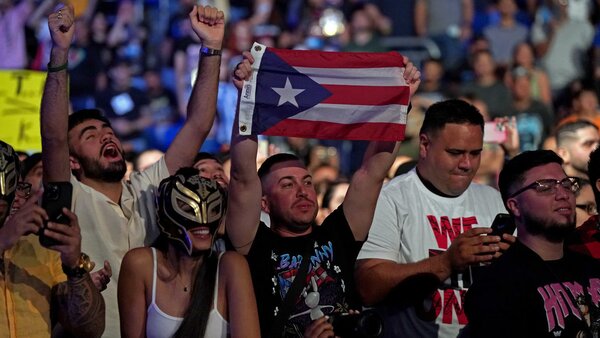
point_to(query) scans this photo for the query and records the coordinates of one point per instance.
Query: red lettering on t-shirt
(453, 304)
(445, 229)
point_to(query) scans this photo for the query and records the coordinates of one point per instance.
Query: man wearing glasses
(585, 203)
(537, 288)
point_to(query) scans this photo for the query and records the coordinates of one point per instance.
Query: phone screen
(494, 132)
(503, 224)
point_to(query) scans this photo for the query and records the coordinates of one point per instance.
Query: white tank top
(162, 325)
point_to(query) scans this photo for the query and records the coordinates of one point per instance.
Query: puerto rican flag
(324, 95)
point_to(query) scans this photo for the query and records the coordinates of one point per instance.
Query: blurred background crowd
(535, 60)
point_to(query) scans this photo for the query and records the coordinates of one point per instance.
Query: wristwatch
(205, 51)
(84, 265)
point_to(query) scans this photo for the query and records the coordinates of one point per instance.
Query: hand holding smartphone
(57, 195)
(502, 224)
(494, 132)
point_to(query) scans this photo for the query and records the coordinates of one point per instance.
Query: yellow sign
(20, 99)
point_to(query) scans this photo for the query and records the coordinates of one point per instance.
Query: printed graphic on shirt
(324, 291)
(446, 304)
(571, 299)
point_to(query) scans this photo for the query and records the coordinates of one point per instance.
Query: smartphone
(494, 132)
(56, 196)
(503, 224)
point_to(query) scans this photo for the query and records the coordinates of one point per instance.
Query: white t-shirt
(411, 224)
(109, 230)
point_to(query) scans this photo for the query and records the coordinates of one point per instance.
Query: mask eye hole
(185, 207)
(215, 211)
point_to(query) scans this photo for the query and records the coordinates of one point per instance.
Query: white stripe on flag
(380, 77)
(248, 95)
(392, 113)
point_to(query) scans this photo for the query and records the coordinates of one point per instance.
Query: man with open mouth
(117, 215)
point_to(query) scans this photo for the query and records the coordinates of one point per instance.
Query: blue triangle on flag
(273, 73)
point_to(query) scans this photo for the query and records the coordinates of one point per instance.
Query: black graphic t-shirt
(329, 286)
(522, 295)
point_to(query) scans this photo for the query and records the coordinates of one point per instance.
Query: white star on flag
(287, 93)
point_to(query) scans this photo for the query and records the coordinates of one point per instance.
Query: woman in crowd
(524, 56)
(180, 287)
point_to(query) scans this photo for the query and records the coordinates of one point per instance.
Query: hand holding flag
(327, 95)
(243, 70)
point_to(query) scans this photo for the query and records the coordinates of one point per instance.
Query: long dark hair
(196, 316)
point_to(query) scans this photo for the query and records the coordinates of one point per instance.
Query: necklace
(185, 286)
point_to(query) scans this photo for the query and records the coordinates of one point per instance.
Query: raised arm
(209, 24)
(55, 100)
(468, 11)
(245, 192)
(361, 198)
(421, 18)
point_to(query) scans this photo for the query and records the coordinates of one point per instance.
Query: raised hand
(511, 145)
(411, 75)
(209, 24)
(61, 25)
(243, 70)
(69, 238)
(27, 220)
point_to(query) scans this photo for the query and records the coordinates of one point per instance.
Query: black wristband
(58, 68)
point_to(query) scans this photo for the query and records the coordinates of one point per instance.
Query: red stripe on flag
(333, 131)
(318, 59)
(367, 95)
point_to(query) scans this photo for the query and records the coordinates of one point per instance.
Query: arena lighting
(332, 22)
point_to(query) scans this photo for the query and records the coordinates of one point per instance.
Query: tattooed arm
(79, 307)
(77, 303)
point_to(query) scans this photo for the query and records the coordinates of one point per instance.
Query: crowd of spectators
(531, 68)
(136, 59)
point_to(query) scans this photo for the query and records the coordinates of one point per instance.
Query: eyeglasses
(549, 186)
(23, 190)
(590, 208)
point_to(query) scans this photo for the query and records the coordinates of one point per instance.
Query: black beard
(114, 172)
(553, 232)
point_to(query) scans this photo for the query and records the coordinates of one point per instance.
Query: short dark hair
(30, 162)
(450, 111)
(594, 172)
(206, 156)
(567, 130)
(514, 170)
(83, 115)
(265, 168)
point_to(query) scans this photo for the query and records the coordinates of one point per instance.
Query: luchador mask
(9, 172)
(187, 201)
